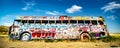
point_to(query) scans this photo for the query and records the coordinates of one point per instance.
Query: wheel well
(87, 33)
(82, 33)
(88, 36)
(102, 33)
(23, 33)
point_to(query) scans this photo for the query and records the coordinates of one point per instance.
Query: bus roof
(59, 18)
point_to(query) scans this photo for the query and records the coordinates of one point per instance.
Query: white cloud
(53, 12)
(28, 5)
(73, 9)
(111, 6)
(112, 17)
(25, 8)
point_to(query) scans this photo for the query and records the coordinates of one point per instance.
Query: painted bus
(58, 27)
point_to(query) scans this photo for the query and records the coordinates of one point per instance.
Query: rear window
(94, 22)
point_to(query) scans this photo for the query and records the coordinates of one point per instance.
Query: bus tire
(25, 36)
(85, 37)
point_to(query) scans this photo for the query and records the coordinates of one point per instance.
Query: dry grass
(115, 40)
(6, 43)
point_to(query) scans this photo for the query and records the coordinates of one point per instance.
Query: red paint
(34, 34)
(38, 34)
(84, 28)
(42, 33)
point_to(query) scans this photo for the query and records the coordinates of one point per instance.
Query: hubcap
(25, 36)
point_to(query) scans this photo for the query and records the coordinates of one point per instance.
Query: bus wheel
(85, 37)
(25, 37)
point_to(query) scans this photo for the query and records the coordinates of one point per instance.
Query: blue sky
(108, 9)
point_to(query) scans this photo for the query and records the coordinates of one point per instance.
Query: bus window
(87, 22)
(65, 21)
(94, 22)
(31, 21)
(80, 22)
(58, 21)
(100, 22)
(73, 21)
(38, 21)
(45, 21)
(16, 23)
(51, 21)
(24, 21)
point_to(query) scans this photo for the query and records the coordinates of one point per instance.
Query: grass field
(113, 41)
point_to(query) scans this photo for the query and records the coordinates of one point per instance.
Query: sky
(108, 9)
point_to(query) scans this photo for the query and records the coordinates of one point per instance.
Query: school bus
(58, 27)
